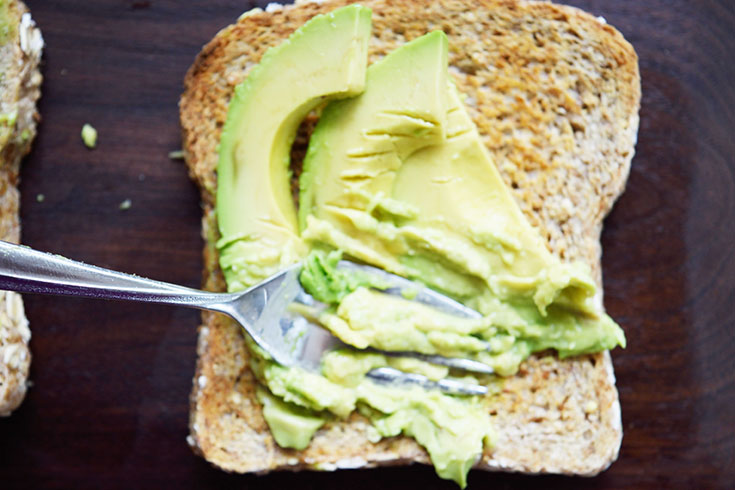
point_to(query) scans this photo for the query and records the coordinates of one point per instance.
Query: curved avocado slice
(325, 58)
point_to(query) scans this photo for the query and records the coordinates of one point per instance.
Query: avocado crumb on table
(89, 135)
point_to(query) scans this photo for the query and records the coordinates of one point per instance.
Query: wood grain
(109, 404)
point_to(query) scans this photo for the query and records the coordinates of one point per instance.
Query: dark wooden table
(109, 402)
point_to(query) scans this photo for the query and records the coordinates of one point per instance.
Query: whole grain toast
(555, 94)
(20, 88)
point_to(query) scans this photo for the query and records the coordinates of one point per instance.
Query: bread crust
(555, 94)
(20, 88)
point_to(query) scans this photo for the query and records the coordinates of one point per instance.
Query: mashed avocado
(363, 316)
(328, 284)
(396, 177)
(453, 430)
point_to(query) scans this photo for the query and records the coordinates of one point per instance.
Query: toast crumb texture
(20, 88)
(555, 95)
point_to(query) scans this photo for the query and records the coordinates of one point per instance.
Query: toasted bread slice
(555, 94)
(20, 88)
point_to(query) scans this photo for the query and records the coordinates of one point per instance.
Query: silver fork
(263, 310)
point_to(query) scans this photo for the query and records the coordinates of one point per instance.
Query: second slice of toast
(20, 87)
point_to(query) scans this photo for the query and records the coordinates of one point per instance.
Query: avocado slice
(359, 143)
(398, 177)
(326, 58)
(422, 200)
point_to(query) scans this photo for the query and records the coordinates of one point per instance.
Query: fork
(262, 310)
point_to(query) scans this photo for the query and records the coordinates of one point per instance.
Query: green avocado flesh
(326, 58)
(395, 176)
(8, 24)
(9, 20)
(328, 284)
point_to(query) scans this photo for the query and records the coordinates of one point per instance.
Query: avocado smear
(9, 19)
(395, 176)
(8, 22)
(328, 284)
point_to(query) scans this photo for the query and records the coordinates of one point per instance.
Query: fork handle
(25, 270)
